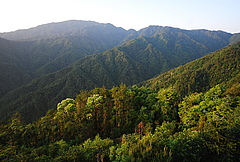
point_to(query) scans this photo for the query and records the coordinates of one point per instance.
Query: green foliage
(130, 124)
(213, 114)
(168, 104)
(68, 105)
(220, 67)
(49, 49)
(97, 147)
(153, 51)
(135, 147)
(179, 119)
(189, 145)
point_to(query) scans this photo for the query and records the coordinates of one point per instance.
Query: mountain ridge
(132, 62)
(35, 58)
(53, 30)
(219, 67)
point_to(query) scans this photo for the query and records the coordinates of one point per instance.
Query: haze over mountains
(43, 65)
(42, 56)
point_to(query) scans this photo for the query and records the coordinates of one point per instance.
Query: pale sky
(129, 14)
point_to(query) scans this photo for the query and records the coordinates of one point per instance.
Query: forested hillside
(211, 39)
(154, 51)
(221, 66)
(139, 123)
(13, 73)
(61, 44)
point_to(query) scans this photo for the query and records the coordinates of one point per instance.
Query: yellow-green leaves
(94, 100)
(68, 105)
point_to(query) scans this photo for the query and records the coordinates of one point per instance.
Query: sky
(128, 14)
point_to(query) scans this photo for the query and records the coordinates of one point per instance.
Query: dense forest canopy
(130, 124)
(137, 123)
(199, 75)
(189, 113)
(52, 65)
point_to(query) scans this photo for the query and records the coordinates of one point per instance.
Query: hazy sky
(186, 14)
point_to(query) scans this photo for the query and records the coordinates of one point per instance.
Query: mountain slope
(13, 73)
(56, 45)
(62, 44)
(235, 38)
(133, 62)
(55, 54)
(220, 67)
(202, 36)
(56, 30)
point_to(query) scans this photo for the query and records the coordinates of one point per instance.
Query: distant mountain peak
(52, 30)
(52, 62)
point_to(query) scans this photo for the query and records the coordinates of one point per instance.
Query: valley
(85, 91)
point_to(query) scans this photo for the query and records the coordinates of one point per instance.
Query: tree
(215, 115)
(97, 146)
(168, 104)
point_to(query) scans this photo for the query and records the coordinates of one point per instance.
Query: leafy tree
(213, 114)
(168, 104)
(135, 147)
(96, 147)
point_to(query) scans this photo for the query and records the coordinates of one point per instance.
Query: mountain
(62, 29)
(202, 36)
(61, 45)
(220, 67)
(56, 45)
(122, 123)
(235, 38)
(158, 50)
(50, 30)
(13, 73)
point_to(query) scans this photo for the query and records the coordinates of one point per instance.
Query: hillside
(137, 123)
(202, 36)
(220, 67)
(235, 38)
(13, 72)
(62, 29)
(133, 62)
(22, 61)
(81, 111)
